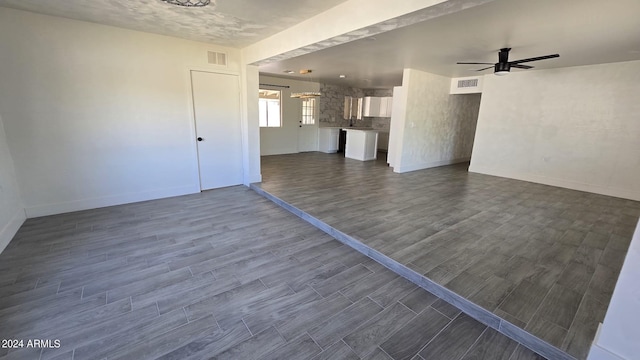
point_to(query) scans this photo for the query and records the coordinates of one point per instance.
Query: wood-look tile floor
(544, 258)
(224, 274)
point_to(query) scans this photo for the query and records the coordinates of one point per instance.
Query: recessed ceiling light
(342, 76)
(288, 71)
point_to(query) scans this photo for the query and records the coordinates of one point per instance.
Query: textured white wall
(97, 115)
(438, 128)
(572, 127)
(11, 211)
(284, 140)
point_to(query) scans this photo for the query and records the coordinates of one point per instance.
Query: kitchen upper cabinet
(374, 106)
(371, 106)
(385, 106)
(352, 108)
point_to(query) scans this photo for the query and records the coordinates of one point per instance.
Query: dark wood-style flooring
(543, 258)
(224, 274)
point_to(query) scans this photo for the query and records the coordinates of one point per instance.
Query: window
(269, 108)
(308, 111)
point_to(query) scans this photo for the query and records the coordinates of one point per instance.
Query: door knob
(200, 139)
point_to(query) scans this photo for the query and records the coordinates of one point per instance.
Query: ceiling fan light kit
(503, 66)
(501, 69)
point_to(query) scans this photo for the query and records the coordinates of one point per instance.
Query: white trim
(414, 167)
(9, 231)
(598, 352)
(213, 69)
(94, 203)
(569, 184)
(195, 164)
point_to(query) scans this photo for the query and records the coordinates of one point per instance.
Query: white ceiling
(582, 31)
(234, 23)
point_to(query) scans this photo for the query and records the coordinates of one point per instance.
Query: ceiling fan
(503, 66)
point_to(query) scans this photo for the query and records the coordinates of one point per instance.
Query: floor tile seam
(310, 337)
(184, 311)
(440, 312)
(375, 302)
(320, 295)
(553, 349)
(383, 351)
(515, 317)
(439, 332)
(390, 335)
(401, 303)
(247, 326)
(575, 316)
(340, 236)
(348, 346)
(505, 299)
(476, 341)
(545, 298)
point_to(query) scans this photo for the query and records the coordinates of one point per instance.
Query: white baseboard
(9, 231)
(256, 179)
(414, 167)
(569, 184)
(94, 203)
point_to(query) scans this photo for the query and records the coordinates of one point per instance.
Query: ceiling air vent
(467, 83)
(217, 58)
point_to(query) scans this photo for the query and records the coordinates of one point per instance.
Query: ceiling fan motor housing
(502, 67)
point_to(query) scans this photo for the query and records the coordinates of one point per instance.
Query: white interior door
(216, 106)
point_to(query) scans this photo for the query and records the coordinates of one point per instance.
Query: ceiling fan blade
(473, 63)
(521, 66)
(534, 59)
(490, 67)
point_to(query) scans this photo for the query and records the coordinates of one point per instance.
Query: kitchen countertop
(359, 128)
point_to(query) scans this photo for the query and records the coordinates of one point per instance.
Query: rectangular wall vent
(217, 58)
(467, 83)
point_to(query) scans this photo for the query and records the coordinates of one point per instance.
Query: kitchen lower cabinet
(328, 139)
(361, 144)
